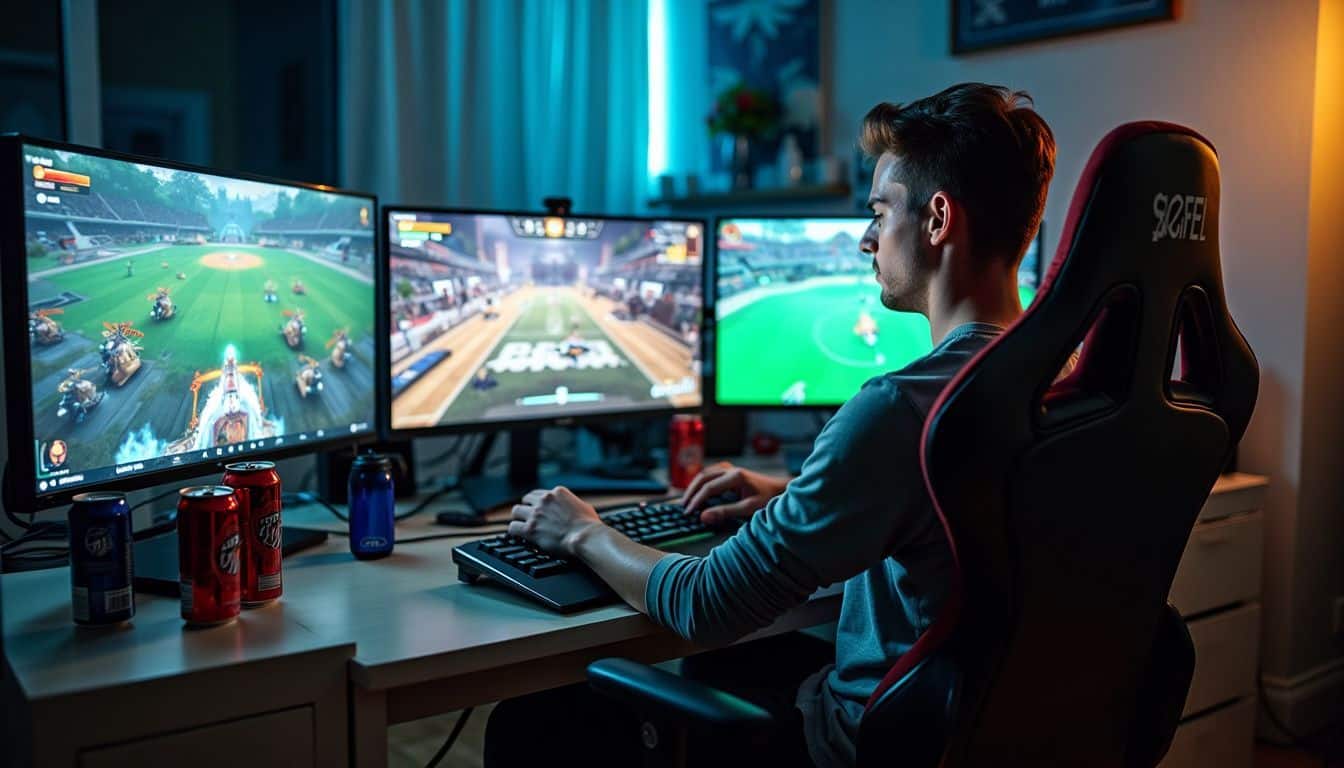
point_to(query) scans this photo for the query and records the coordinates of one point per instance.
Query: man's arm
(559, 521)
(847, 511)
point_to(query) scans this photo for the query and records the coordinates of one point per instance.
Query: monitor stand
(156, 568)
(485, 492)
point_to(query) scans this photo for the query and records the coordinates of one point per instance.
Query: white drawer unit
(278, 740)
(1221, 564)
(1227, 645)
(1234, 494)
(1224, 738)
(1217, 588)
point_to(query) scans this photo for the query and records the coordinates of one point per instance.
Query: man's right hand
(752, 488)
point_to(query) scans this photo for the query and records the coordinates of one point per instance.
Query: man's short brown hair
(982, 144)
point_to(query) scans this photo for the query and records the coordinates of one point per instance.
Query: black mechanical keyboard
(564, 584)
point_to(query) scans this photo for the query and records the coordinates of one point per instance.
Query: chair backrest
(1069, 502)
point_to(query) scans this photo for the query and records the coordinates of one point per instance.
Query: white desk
(153, 693)
(427, 644)
(411, 640)
(408, 637)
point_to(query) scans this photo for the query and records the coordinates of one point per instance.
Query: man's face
(900, 260)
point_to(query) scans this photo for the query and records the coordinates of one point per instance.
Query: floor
(411, 745)
(1325, 750)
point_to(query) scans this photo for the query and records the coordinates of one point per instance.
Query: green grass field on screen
(216, 307)
(797, 342)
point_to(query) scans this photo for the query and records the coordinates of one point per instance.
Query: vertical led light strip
(657, 154)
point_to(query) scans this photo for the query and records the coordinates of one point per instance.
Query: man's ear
(941, 218)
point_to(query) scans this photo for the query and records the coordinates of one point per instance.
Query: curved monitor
(798, 321)
(513, 318)
(178, 318)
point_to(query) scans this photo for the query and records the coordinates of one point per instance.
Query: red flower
(745, 101)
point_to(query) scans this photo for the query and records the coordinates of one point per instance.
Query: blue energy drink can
(372, 507)
(101, 569)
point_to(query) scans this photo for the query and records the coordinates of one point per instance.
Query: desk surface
(411, 619)
(51, 656)
(408, 617)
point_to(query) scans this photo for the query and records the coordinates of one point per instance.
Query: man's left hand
(552, 519)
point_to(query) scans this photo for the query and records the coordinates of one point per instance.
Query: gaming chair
(1067, 501)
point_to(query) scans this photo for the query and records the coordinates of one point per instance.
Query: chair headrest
(1138, 263)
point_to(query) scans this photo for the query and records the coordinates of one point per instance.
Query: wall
(1319, 538)
(152, 44)
(1242, 73)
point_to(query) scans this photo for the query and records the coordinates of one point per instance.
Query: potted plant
(743, 114)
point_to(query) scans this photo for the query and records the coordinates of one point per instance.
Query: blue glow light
(657, 156)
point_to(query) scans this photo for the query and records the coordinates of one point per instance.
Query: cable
(61, 551)
(146, 502)
(18, 564)
(452, 738)
(7, 501)
(449, 452)
(22, 525)
(39, 531)
(425, 502)
(308, 497)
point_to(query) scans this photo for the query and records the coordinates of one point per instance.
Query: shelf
(755, 196)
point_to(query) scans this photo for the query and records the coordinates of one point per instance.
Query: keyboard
(565, 584)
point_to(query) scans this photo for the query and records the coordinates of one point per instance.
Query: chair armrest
(664, 696)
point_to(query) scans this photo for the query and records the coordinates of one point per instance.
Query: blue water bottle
(372, 506)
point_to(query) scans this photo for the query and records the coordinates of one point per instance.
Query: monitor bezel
(20, 494)
(568, 420)
(710, 378)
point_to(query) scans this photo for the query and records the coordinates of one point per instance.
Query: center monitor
(528, 318)
(799, 321)
(177, 317)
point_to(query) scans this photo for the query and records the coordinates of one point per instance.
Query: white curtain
(495, 103)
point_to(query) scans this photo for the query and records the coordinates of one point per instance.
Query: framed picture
(981, 24)
(775, 46)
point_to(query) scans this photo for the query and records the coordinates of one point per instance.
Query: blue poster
(772, 45)
(978, 24)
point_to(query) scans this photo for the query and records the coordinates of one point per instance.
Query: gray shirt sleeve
(838, 518)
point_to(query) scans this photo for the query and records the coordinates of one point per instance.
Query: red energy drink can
(208, 554)
(258, 487)
(686, 452)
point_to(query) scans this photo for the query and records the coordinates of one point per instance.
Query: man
(957, 195)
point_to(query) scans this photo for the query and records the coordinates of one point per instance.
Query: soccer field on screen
(797, 345)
